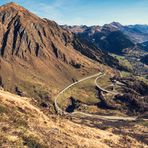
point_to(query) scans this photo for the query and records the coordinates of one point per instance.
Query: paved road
(60, 111)
(104, 90)
(113, 118)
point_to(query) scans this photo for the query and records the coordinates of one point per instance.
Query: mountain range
(112, 37)
(37, 52)
(130, 41)
(98, 74)
(37, 56)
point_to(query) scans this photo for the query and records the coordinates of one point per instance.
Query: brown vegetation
(25, 125)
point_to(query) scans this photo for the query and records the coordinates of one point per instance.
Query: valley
(126, 43)
(71, 86)
(96, 95)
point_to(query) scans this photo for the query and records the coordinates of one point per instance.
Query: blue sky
(88, 12)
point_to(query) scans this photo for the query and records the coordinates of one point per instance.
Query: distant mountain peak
(117, 24)
(114, 26)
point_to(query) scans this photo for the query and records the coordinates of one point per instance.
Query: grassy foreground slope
(24, 125)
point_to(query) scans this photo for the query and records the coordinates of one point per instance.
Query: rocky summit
(38, 53)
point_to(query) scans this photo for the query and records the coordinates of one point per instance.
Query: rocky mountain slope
(38, 57)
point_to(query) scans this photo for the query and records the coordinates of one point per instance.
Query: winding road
(98, 75)
(59, 110)
(104, 90)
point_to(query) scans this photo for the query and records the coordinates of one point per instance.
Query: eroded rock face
(35, 50)
(23, 34)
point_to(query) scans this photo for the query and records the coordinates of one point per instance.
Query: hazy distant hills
(137, 33)
(112, 37)
(143, 45)
(131, 42)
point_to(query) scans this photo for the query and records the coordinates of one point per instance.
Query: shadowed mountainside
(38, 57)
(108, 37)
(112, 37)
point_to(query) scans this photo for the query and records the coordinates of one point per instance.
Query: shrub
(31, 142)
(2, 109)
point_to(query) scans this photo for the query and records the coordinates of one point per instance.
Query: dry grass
(24, 125)
(104, 81)
(123, 61)
(84, 91)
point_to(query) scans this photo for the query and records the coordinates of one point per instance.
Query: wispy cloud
(51, 10)
(87, 11)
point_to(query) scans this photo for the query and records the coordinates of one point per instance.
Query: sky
(88, 12)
